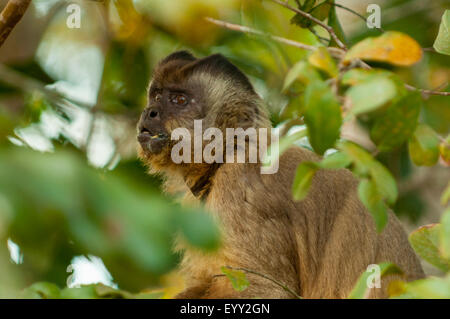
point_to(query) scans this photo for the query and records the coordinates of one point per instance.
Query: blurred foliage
(81, 90)
(55, 207)
(45, 290)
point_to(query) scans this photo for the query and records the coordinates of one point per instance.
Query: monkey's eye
(158, 97)
(178, 99)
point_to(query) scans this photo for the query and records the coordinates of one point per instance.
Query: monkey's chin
(152, 145)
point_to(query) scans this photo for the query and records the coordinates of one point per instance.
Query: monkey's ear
(217, 64)
(178, 55)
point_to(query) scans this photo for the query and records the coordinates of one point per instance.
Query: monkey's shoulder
(245, 182)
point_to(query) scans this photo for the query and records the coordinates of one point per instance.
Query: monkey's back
(318, 246)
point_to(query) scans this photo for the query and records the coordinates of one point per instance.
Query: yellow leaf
(396, 288)
(444, 150)
(392, 47)
(133, 27)
(322, 60)
(171, 285)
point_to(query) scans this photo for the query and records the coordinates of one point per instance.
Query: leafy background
(76, 207)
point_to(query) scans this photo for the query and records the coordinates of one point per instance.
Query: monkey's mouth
(152, 142)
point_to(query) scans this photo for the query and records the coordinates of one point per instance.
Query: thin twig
(336, 52)
(409, 87)
(241, 28)
(324, 40)
(10, 16)
(286, 288)
(427, 92)
(354, 12)
(315, 20)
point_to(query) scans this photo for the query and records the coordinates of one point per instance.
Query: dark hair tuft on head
(218, 64)
(178, 55)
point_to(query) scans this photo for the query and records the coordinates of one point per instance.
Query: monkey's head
(184, 89)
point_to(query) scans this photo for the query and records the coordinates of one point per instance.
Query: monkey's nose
(151, 112)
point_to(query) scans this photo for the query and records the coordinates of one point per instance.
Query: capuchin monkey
(318, 247)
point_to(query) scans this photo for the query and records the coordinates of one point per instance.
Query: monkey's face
(173, 101)
(184, 89)
(166, 105)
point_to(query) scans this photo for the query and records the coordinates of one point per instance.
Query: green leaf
(366, 166)
(370, 95)
(336, 160)
(83, 292)
(306, 171)
(301, 71)
(322, 60)
(283, 145)
(360, 158)
(104, 291)
(293, 109)
(200, 229)
(444, 234)
(425, 242)
(41, 290)
(307, 5)
(429, 288)
(384, 181)
(300, 20)
(302, 180)
(424, 146)
(358, 76)
(150, 295)
(333, 22)
(361, 289)
(323, 116)
(377, 188)
(398, 123)
(372, 199)
(442, 42)
(237, 278)
(322, 10)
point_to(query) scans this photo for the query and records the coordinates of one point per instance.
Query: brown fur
(318, 247)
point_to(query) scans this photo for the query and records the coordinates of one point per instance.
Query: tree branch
(426, 92)
(336, 52)
(286, 288)
(10, 16)
(315, 20)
